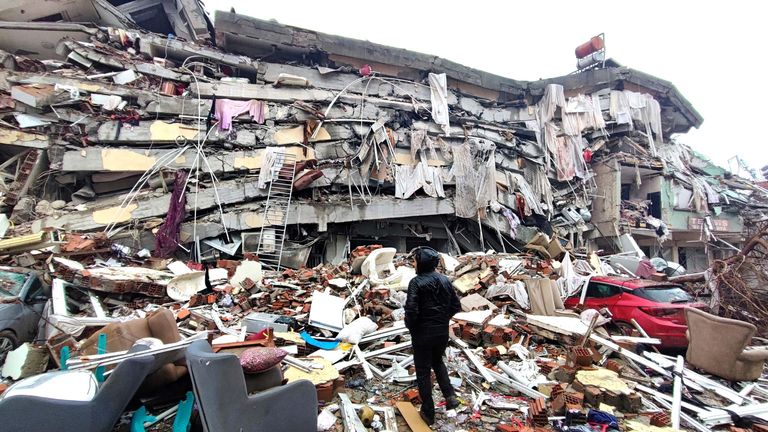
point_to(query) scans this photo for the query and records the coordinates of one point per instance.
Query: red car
(659, 307)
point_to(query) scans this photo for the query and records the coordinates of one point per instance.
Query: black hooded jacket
(432, 300)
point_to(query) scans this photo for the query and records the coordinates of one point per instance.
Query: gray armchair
(35, 413)
(718, 346)
(220, 391)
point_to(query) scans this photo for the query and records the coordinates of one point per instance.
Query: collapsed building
(386, 145)
(145, 152)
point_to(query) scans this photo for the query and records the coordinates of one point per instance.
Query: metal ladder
(278, 204)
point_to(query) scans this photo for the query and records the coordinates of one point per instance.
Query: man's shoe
(428, 419)
(451, 402)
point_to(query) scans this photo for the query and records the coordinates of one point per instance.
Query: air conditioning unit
(251, 241)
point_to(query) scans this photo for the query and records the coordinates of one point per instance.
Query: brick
(565, 374)
(612, 398)
(580, 356)
(471, 335)
(660, 419)
(247, 283)
(196, 300)
(183, 314)
(510, 334)
(593, 396)
(614, 366)
(574, 399)
(557, 399)
(547, 367)
(631, 403)
(537, 411)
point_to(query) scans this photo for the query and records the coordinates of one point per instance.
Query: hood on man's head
(427, 259)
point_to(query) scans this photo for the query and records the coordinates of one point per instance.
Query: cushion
(259, 359)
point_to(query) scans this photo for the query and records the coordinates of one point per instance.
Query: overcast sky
(714, 52)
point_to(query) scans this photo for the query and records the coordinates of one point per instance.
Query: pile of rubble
(257, 186)
(518, 359)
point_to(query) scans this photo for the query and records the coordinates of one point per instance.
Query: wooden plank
(412, 417)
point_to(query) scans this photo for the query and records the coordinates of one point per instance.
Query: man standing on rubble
(431, 303)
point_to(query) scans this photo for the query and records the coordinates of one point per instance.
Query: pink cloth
(227, 109)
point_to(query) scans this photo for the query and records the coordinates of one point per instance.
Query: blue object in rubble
(63, 357)
(101, 348)
(319, 344)
(184, 414)
(140, 417)
(602, 417)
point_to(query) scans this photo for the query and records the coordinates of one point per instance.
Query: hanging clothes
(438, 86)
(580, 113)
(646, 110)
(554, 97)
(580, 165)
(474, 167)
(270, 165)
(418, 138)
(551, 138)
(462, 170)
(539, 185)
(519, 184)
(445, 149)
(167, 238)
(619, 109)
(227, 109)
(513, 221)
(564, 162)
(409, 179)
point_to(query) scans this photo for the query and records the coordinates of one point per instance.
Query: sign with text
(695, 223)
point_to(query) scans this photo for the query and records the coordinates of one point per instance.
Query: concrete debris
(259, 186)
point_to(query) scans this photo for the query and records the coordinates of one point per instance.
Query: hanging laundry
(409, 179)
(577, 147)
(418, 138)
(582, 112)
(620, 110)
(438, 86)
(539, 185)
(553, 98)
(566, 168)
(646, 110)
(270, 165)
(227, 109)
(513, 221)
(551, 138)
(466, 195)
(445, 149)
(167, 238)
(519, 184)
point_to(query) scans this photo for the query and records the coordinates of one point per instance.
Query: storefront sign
(719, 225)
